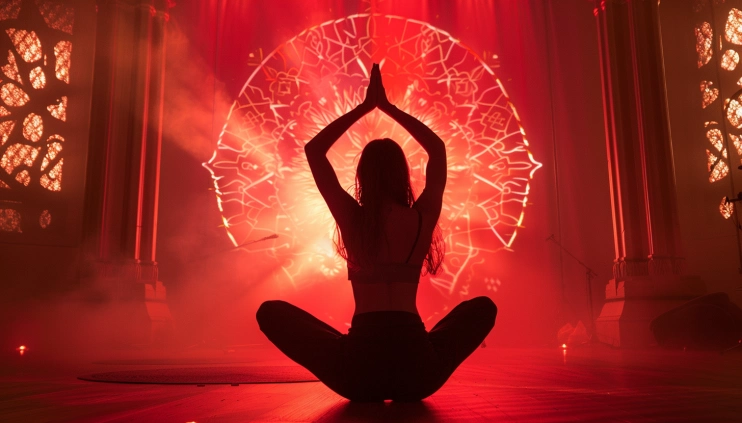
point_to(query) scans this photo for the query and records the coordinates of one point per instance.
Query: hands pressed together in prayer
(375, 93)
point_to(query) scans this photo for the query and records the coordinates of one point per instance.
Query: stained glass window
(704, 38)
(34, 97)
(726, 208)
(30, 56)
(729, 60)
(734, 113)
(717, 140)
(10, 220)
(708, 94)
(733, 28)
(59, 110)
(27, 44)
(716, 167)
(10, 9)
(45, 219)
(11, 68)
(57, 16)
(63, 54)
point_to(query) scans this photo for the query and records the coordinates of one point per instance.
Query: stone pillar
(648, 273)
(124, 167)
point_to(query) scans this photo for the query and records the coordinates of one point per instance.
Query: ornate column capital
(624, 268)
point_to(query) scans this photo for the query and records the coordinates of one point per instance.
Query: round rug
(173, 361)
(230, 375)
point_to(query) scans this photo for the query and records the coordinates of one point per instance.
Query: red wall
(549, 67)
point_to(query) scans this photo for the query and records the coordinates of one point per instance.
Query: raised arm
(341, 204)
(431, 198)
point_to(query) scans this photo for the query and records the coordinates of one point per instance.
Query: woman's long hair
(382, 174)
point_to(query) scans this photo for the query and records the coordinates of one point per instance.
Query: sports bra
(395, 272)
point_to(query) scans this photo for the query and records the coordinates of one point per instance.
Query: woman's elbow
(313, 148)
(309, 149)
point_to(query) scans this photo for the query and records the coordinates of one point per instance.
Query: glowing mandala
(262, 179)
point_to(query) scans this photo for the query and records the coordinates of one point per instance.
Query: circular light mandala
(262, 178)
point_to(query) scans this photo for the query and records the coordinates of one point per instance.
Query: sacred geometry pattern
(35, 57)
(260, 173)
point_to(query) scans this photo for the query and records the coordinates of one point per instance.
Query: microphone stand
(265, 238)
(589, 275)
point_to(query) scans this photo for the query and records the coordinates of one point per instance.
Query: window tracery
(34, 86)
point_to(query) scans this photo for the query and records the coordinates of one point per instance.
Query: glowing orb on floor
(262, 180)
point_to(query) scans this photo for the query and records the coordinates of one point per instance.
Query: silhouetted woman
(387, 237)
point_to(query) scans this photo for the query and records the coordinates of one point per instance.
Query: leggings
(386, 355)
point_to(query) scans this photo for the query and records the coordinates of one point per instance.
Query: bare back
(399, 242)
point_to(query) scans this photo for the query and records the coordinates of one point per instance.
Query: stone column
(648, 273)
(124, 166)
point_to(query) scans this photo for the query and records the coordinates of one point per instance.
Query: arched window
(37, 134)
(718, 34)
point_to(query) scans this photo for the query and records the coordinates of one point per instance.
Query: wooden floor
(533, 385)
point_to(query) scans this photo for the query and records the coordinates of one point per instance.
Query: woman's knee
(486, 307)
(269, 311)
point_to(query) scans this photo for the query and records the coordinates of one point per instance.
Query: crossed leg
(305, 339)
(462, 330)
(319, 347)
